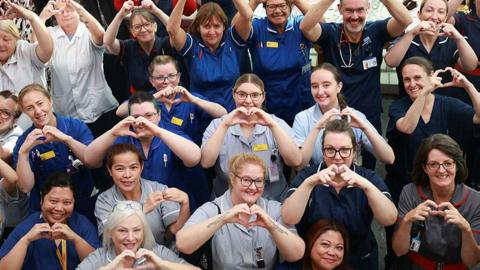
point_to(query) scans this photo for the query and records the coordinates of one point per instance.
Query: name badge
(47, 155)
(177, 121)
(260, 147)
(272, 44)
(369, 63)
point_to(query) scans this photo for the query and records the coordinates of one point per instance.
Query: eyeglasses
(5, 114)
(254, 96)
(350, 11)
(447, 165)
(344, 152)
(170, 77)
(272, 8)
(246, 181)
(148, 115)
(138, 27)
(124, 205)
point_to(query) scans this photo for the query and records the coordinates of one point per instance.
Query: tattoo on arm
(217, 221)
(278, 228)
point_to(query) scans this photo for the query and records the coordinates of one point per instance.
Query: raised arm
(397, 52)
(94, 27)
(178, 36)
(459, 80)
(243, 18)
(467, 58)
(150, 6)
(452, 8)
(176, 195)
(26, 179)
(213, 109)
(400, 17)
(109, 39)
(310, 26)
(302, 5)
(10, 178)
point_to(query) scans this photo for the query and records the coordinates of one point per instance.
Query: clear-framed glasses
(447, 165)
(170, 77)
(148, 115)
(247, 181)
(272, 8)
(124, 205)
(344, 152)
(138, 27)
(5, 114)
(256, 96)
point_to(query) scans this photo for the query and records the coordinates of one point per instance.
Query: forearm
(288, 149)
(467, 56)
(290, 245)
(294, 206)
(303, 6)
(183, 148)
(383, 208)
(82, 247)
(380, 148)
(96, 150)
(452, 7)
(398, 12)
(395, 54)
(211, 149)
(409, 122)
(14, 259)
(26, 179)
(470, 250)
(183, 216)
(10, 176)
(109, 38)
(475, 98)
(94, 27)
(213, 109)
(44, 48)
(308, 146)
(174, 23)
(160, 15)
(191, 238)
(77, 148)
(401, 238)
(122, 110)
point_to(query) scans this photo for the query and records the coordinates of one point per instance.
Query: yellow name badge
(272, 44)
(47, 155)
(177, 121)
(260, 147)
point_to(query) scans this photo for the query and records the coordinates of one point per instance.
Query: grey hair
(118, 215)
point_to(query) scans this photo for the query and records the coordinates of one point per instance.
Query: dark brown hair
(141, 97)
(425, 64)
(425, 1)
(122, 148)
(143, 13)
(57, 179)
(315, 231)
(338, 78)
(204, 14)
(340, 126)
(446, 145)
(7, 94)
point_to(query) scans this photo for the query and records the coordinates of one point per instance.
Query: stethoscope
(342, 40)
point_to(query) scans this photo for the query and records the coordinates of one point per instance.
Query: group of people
(208, 166)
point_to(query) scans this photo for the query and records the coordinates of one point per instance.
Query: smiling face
(57, 205)
(8, 43)
(338, 141)
(7, 114)
(278, 12)
(441, 178)
(325, 89)
(250, 90)
(160, 76)
(149, 112)
(68, 17)
(128, 234)
(125, 171)
(415, 78)
(327, 251)
(434, 11)
(142, 29)
(247, 194)
(38, 108)
(354, 14)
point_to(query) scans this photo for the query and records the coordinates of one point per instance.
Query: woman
(166, 209)
(436, 40)
(79, 88)
(423, 113)
(280, 53)
(249, 129)
(246, 230)
(19, 56)
(326, 248)
(53, 143)
(13, 204)
(56, 237)
(138, 52)
(309, 124)
(128, 243)
(211, 49)
(438, 214)
(337, 189)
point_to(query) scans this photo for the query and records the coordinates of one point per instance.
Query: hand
(354, 120)
(153, 200)
(148, 5)
(351, 178)
(145, 125)
(422, 211)
(38, 231)
(325, 177)
(453, 216)
(448, 30)
(185, 95)
(12, 11)
(239, 213)
(152, 260)
(175, 195)
(326, 117)
(62, 231)
(53, 134)
(259, 116)
(425, 27)
(260, 218)
(49, 10)
(33, 139)
(237, 116)
(166, 95)
(432, 84)
(127, 7)
(458, 79)
(123, 261)
(122, 128)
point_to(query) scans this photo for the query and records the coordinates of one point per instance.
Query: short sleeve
(5, 197)
(81, 132)
(301, 176)
(233, 34)
(29, 51)
(13, 238)
(103, 208)
(300, 128)
(212, 127)
(204, 212)
(406, 202)
(365, 141)
(379, 183)
(167, 255)
(285, 127)
(170, 212)
(397, 110)
(187, 47)
(92, 262)
(88, 232)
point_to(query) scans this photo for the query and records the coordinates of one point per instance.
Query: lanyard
(62, 256)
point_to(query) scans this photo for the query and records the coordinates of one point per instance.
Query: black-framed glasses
(124, 205)
(247, 181)
(447, 165)
(255, 96)
(272, 8)
(148, 115)
(170, 77)
(344, 152)
(138, 27)
(5, 114)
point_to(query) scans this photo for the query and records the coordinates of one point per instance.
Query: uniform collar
(323, 165)
(288, 26)
(156, 44)
(460, 195)
(59, 32)
(440, 41)
(13, 58)
(237, 131)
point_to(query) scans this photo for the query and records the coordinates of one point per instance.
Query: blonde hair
(249, 78)
(238, 161)
(34, 87)
(8, 26)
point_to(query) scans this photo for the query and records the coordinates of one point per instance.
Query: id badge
(415, 244)
(273, 172)
(369, 63)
